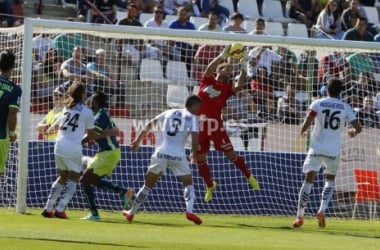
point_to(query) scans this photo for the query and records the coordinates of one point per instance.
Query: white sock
(140, 198)
(303, 198)
(327, 193)
(56, 190)
(189, 196)
(71, 187)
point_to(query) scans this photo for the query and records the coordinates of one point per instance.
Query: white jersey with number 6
(330, 121)
(176, 125)
(72, 127)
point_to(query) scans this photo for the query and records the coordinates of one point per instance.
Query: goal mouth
(158, 74)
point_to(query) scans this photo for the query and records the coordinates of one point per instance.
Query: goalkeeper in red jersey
(215, 88)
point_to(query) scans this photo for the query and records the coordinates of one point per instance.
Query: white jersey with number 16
(332, 115)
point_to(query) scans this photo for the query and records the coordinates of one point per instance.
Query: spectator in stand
(203, 57)
(367, 115)
(360, 62)
(108, 8)
(302, 10)
(259, 27)
(171, 7)
(365, 86)
(47, 77)
(65, 43)
(289, 109)
(263, 93)
(18, 12)
(73, 69)
(359, 32)
(187, 50)
(351, 15)
(42, 43)
(333, 64)
(134, 50)
(329, 22)
(262, 57)
(212, 24)
(7, 18)
(241, 109)
(100, 76)
(168, 52)
(48, 126)
(308, 71)
(235, 25)
(213, 5)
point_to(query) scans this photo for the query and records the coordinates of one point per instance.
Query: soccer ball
(236, 51)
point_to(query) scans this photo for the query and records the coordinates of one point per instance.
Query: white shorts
(69, 163)
(159, 162)
(314, 162)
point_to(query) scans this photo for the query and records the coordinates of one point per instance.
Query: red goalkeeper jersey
(214, 95)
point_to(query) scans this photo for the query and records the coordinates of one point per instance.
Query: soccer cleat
(91, 217)
(298, 222)
(209, 191)
(127, 198)
(61, 215)
(128, 215)
(192, 217)
(254, 183)
(321, 219)
(47, 214)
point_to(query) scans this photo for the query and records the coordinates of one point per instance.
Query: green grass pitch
(172, 231)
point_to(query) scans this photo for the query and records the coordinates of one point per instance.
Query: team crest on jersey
(212, 92)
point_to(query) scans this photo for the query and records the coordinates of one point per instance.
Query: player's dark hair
(334, 87)
(100, 98)
(192, 100)
(7, 60)
(75, 92)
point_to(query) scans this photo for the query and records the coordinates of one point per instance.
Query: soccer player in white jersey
(176, 125)
(77, 119)
(329, 116)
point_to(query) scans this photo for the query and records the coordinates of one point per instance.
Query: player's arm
(148, 127)
(308, 121)
(210, 69)
(12, 122)
(240, 83)
(356, 128)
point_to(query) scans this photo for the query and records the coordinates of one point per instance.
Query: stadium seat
(372, 14)
(177, 73)
(297, 30)
(367, 190)
(272, 10)
(198, 21)
(176, 95)
(237, 143)
(39, 108)
(254, 144)
(151, 70)
(170, 18)
(249, 9)
(274, 28)
(120, 14)
(145, 17)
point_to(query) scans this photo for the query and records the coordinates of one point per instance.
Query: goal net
(146, 71)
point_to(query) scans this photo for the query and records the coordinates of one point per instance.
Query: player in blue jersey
(105, 161)
(10, 97)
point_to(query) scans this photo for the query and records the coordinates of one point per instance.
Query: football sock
(140, 198)
(71, 187)
(240, 164)
(303, 198)
(327, 193)
(89, 192)
(56, 190)
(109, 185)
(189, 196)
(204, 171)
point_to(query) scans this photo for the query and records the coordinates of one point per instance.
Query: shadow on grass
(73, 242)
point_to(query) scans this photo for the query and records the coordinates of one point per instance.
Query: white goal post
(275, 152)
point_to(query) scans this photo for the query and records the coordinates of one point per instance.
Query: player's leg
(74, 168)
(56, 188)
(87, 180)
(182, 170)
(155, 170)
(4, 148)
(332, 165)
(310, 168)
